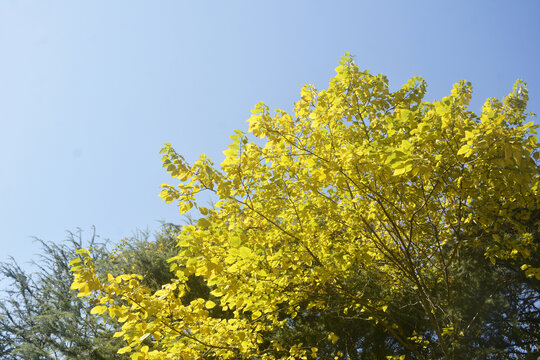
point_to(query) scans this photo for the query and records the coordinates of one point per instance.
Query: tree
(369, 224)
(41, 318)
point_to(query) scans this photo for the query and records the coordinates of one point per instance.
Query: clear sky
(90, 90)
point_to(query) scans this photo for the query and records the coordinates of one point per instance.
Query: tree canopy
(365, 224)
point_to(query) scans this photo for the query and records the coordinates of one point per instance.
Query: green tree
(368, 224)
(42, 318)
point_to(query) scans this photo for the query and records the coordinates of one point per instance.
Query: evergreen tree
(42, 318)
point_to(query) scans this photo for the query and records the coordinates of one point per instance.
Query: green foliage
(42, 318)
(149, 258)
(368, 224)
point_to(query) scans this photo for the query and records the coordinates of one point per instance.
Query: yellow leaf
(82, 252)
(77, 284)
(100, 309)
(464, 149)
(245, 252)
(84, 291)
(183, 207)
(124, 350)
(204, 222)
(210, 304)
(75, 261)
(137, 356)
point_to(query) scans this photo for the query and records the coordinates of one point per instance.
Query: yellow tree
(362, 202)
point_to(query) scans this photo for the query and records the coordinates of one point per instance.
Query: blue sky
(90, 90)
